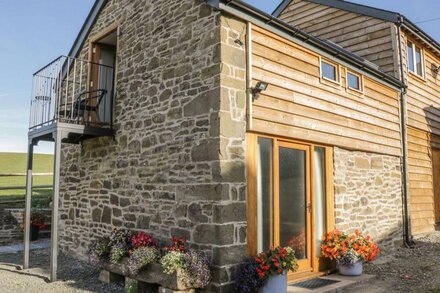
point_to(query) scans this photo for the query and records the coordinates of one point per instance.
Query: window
(328, 71)
(415, 60)
(353, 81)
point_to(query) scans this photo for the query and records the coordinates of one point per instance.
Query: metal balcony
(74, 95)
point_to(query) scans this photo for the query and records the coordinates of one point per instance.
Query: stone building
(222, 125)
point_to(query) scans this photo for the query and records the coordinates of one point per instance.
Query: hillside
(16, 163)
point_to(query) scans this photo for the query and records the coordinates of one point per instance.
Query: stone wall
(176, 164)
(368, 194)
(10, 230)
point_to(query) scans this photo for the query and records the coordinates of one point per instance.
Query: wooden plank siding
(299, 105)
(420, 145)
(365, 36)
(423, 108)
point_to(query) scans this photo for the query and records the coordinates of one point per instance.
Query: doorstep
(343, 281)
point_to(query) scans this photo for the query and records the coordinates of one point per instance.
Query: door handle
(309, 207)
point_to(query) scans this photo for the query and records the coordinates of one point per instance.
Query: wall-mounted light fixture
(435, 69)
(259, 87)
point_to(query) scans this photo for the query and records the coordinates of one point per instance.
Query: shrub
(196, 267)
(141, 257)
(349, 248)
(247, 280)
(275, 261)
(99, 251)
(143, 239)
(120, 243)
(172, 261)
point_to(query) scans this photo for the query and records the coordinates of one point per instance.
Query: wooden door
(436, 182)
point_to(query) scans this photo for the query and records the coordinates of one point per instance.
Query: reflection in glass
(292, 197)
(264, 194)
(320, 196)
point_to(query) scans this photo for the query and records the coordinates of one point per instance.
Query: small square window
(353, 81)
(328, 71)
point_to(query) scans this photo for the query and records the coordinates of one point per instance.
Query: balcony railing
(74, 91)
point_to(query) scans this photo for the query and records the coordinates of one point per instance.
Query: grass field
(16, 163)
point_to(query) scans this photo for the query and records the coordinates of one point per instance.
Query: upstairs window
(415, 59)
(354, 81)
(328, 71)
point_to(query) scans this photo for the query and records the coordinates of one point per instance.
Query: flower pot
(275, 283)
(35, 232)
(351, 270)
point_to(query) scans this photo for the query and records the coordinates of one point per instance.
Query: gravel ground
(73, 275)
(405, 269)
(401, 270)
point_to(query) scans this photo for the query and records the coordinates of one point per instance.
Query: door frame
(318, 264)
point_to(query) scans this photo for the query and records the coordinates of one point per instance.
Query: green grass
(16, 163)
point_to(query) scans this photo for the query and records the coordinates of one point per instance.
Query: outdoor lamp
(259, 87)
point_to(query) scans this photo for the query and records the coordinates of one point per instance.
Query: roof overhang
(386, 15)
(326, 48)
(87, 27)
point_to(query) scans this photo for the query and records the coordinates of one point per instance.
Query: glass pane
(353, 81)
(264, 194)
(419, 61)
(411, 57)
(320, 197)
(293, 206)
(328, 71)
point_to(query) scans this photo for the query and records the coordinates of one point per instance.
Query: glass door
(283, 198)
(292, 198)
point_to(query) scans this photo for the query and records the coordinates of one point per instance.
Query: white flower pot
(351, 270)
(275, 283)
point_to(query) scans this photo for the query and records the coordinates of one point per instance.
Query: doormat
(314, 283)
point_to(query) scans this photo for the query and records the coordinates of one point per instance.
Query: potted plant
(247, 279)
(350, 251)
(191, 265)
(273, 267)
(38, 222)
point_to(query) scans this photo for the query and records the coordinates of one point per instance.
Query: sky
(35, 32)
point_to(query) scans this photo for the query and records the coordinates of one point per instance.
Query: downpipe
(408, 241)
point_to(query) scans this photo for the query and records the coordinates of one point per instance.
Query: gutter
(407, 238)
(249, 13)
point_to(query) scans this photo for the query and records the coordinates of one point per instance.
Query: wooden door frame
(95, 57)
(318, 264)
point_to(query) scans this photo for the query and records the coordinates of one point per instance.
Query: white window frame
(361, 82)
(337, 72)
(414, 58)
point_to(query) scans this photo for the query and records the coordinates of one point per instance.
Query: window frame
(414, 59)
(337, 72)
(360, 78)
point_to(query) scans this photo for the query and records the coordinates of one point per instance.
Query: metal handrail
(58, 85)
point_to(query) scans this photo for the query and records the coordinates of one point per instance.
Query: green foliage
(172, 261)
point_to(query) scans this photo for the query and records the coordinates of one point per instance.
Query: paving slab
(15, 248)
(344, 281)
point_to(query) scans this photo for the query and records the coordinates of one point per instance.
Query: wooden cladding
(365, 36)
(298, 104)
(420, 149)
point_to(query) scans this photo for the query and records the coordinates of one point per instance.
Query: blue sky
(34, 32)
